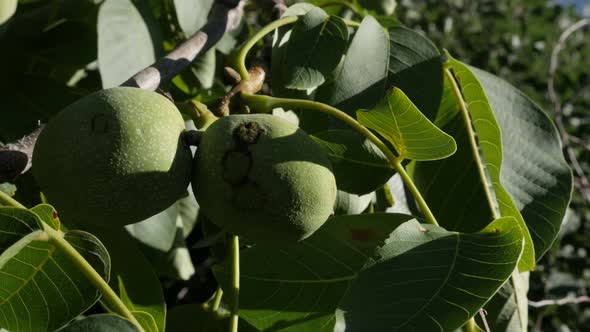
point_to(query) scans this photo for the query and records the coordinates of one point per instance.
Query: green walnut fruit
(263, 178)
(114, 157)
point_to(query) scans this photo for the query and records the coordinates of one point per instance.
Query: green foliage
(422, 191)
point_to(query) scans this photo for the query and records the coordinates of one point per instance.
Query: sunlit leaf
(479, 195)
(534, 170)
(42, 288)
(414, 137)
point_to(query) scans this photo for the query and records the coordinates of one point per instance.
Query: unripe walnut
(114, 157)
(263, 178)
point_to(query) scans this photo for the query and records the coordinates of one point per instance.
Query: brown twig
(15, 159)
(583, 185)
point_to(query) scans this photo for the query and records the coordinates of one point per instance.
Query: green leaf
(134, 279)
(415, 66)
(48, 215)
(352, 154)
(347, 203)
(192, 14)
(362, 80)
(42, 288)
(429, 279)
(100, 323)
(203, 69)
(124, 42)
(414, 137)
(534, 170)
(316, 44)
(279, 51)
(199, 320)
(507, 311)
(158, 231)
(473, 202)
(300, 285)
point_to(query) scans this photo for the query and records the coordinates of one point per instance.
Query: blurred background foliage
(49, 52)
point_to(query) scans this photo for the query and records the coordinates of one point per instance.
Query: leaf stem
(472, 142)
(235, 252)
(57, 239)
(111, 299)
(265, 104)
(416, 193)
(9, 201)
(240, 61)
(470, 326)
(241, 58)
(217, 300)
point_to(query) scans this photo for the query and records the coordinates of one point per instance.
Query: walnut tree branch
(15, 159)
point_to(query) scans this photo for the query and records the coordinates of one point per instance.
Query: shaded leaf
(414, 137)
(101, 323)
(134, 279)
(316, 43)
(192, 14)
(199, 320)
(352, 155)
(124, 42)
(299, 286)
(507, 311)
(429, 279)
(415, 66)
(362, 81)
(347, 203)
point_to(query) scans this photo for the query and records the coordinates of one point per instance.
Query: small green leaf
(48, 215)
(414, 137)
(199, 320)
(8, 188)
(353, 154)
(429, 279)
(100, 323)
(42, 288)
(124, 42)
(316, 44)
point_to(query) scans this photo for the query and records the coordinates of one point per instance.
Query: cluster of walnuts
(118, 156)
